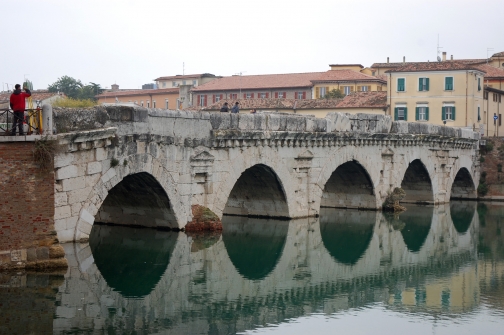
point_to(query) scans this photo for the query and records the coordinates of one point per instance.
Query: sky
(133, 42)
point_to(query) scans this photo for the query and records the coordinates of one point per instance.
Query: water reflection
(131, 260)
(261, 272)
(415, 225)
(462, 213)
(346, 234)
(254, 245)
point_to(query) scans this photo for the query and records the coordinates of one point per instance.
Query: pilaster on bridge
(147, 167)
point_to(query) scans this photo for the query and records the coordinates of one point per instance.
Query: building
(356, 102)
(38, 96)
(493, 108)
(279, 86)
(437, 92)
(346, 78)
(167, 98)
(187, 79)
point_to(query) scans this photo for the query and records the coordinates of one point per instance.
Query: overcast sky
(133, 42)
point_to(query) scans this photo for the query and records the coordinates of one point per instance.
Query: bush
(73, 103)
(482, 159)
(489, 146)
(483, 175)
(482, 189)
(114, 162)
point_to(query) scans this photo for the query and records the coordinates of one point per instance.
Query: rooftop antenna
(240, 74)
(488, 49)
(438, 49)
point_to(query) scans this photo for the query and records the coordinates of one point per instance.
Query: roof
(185, 76)
(434, 66)
(256, 82)
(498, 54)
(36, 95)
(246, 104)
(174, 90)
(373, 99)
(344, 75)
(495, 90)
(359, 65)
(370, 99)
(378, 65)
(492, 72)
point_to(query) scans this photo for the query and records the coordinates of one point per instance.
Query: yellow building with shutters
(346, 78)
(448, 93)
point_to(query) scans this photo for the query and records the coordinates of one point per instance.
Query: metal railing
(32, 118)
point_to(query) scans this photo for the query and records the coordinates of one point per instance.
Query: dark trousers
(18, 120)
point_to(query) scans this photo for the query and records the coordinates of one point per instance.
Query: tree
(67, 85)
(334, 94)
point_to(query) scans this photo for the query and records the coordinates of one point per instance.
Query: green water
(429, 270)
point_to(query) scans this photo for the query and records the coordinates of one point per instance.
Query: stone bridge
(299, 267)
(147, 167)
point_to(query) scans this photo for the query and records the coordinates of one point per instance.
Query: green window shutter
(396, 114)
(449, 83)
(446, 84)
(405, 114)
(479, 116)
(479, 84)
(400, 84)
(427, 111)
(453, 113)
(443, 114)
(417, 113)
(427, 84)
(420, 82)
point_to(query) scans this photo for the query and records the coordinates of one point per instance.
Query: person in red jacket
(17, 104)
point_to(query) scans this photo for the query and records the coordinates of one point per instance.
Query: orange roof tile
(433, 66)
(246, 104)
(36, 95)
(370, 99)
(492, 72)
(174, 90)
(264, 81)
(498, 54)
(186, 76)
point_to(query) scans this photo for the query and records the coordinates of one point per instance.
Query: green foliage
(73, 103)
(334, 94)
(114, 162)
(499, 167)
(489, 146)
(73, 88)
(481, 159)
(482, 212)
(125, 162)
(483, 175)
(482, 189)
(43, 153)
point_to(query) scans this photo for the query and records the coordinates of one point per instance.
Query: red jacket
(17, 100)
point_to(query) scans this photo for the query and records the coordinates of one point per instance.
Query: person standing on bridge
(18, 105)
(236, 108)
(225, 108)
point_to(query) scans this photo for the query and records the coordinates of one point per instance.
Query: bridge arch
(143, 170)
(258, 185)
(348, 181)
(417, 183)
(462, 182)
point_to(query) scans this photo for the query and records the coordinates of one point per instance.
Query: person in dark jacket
(236, 108)
(17, 104)
(225, 108)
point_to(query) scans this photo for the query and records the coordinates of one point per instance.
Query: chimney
(444, 56)
(115, 87)
(451, 57)
(387, 60)
(404, 59)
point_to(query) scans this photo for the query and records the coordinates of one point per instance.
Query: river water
(429, 270)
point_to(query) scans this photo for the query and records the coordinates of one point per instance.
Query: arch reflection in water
(346, 234)
(254, 245)
(414, 225)
(462, 214)
(131, 260)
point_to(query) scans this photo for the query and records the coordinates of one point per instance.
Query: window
(379, 88)
(194, 82)
(479, 115)
(401, 113)
(217, 97)
(422, 113)
(347, 90)
(373, 73)
(148, 104)
(233, 96)
(479, 84)
(448, 84)
(300, 95)
(365, 88)
(154, 104)
(401, 84)
(448, 113)
(262, 95)
(164, 83)
(322, 91)
(183, 82)
(280, 95)
(249, 96)
(494, 97)
(141, 103)
(423, 84)
(485, 95)
(174, 84)
(166, 103)
(202, 100)
(500, 119)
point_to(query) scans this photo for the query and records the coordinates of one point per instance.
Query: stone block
(91, 180)
(73, 183)
(31, 254)
(100, 154)
(63, 159)
(42, 253)
(108, 175)
(60, 199)
(84, 227)
(399, 127)
(66, 172)
(246, 122)
(295, 123)
(62, 212)
(316, 125)
(340, 121)
(65, 235)
(78, 195)
(86, 216)
(60, 224)
(220, 120)
(94, 167)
